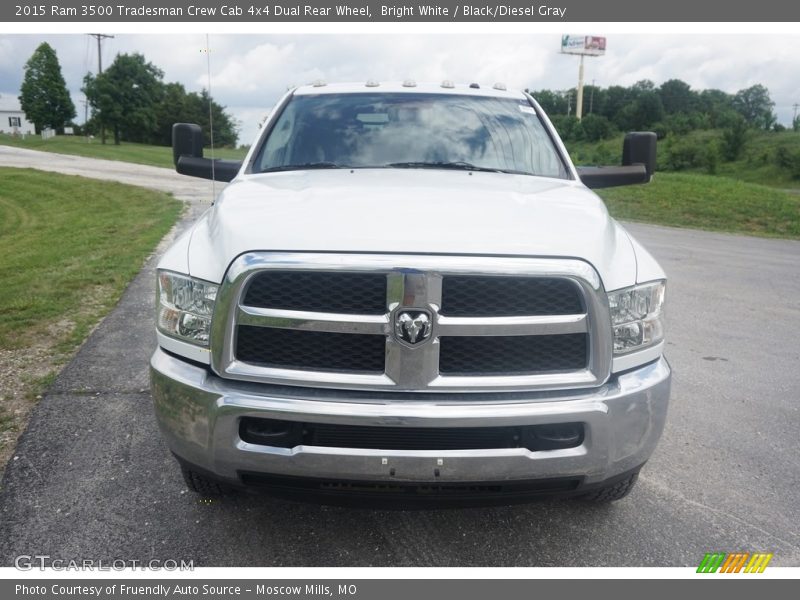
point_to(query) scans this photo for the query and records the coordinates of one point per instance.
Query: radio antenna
(211, 122)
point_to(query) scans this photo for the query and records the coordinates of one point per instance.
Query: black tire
(613, 492)
(207, 488)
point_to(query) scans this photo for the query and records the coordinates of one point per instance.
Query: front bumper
(199, 415)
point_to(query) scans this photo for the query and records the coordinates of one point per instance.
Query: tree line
(129, 99)
(670, 108)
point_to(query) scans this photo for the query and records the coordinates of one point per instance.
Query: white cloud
(7, 56)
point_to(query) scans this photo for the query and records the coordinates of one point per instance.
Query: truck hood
(410, 211)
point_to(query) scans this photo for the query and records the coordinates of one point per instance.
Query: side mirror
(638, 164)
(187, 140)
(639, 148)
(187, 154)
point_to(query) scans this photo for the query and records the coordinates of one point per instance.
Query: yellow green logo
(736, 562)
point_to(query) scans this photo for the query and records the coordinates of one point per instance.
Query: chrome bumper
(199, 414)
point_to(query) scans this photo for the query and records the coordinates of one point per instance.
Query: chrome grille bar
(539, 325)
(313, 321)
(380, 325)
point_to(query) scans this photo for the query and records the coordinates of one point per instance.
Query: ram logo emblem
(412, 326)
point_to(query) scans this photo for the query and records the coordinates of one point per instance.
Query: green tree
(645, 111)
(677, 97)
(616, 97)
(593, 100)
(125, 97)
(44, 96)
(596, 127)
(714, 104)
(171, 109)
(567, 126)
(553, 103)
(755, 105)
(198, 107)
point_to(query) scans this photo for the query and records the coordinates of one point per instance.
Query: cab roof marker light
(500, 86)
(409, 83)
(448, 85)
(372, 83)
(319, 83)
(474, 86)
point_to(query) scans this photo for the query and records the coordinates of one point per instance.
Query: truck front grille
(482, 324)
(346, 293)
(471, 296)
(512, 355)
(315, 350)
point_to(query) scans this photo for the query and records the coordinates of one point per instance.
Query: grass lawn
(708, 202)
(68, 248)
(157, 156)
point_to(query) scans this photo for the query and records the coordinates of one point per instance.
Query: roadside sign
(588, 45)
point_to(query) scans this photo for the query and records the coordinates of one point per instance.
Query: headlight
(637, 316)
(185, 306)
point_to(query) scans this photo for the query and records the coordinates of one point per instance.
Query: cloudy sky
(249, 72)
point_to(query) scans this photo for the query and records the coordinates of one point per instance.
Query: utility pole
(795, 106)
(99, 37)
(591, 98)
(579, 99)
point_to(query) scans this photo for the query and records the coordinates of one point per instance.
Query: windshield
(410, 130)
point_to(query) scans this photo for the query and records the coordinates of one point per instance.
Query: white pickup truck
(409, 293)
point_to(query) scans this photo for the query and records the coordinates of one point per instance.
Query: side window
(14, 122)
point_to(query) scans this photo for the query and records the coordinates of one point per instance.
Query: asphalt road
(91, 477)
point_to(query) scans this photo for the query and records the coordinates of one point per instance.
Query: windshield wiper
(310, 165)
(460, 164)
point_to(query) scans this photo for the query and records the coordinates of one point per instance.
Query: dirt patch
(28, 371)
(25, 373)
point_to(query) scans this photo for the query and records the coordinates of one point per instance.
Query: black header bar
(332, 11)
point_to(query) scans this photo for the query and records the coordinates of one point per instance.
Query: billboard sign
(589, 45)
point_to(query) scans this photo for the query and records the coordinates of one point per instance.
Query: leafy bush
(678, 123)
(712, 157)
(734, 137)
(660, 129)
(595, 128)
(681, 154)
(565, 125)
(789, 159)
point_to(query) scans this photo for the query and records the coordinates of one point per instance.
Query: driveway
(91, 477)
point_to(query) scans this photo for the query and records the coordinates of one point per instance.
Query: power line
(211, 121)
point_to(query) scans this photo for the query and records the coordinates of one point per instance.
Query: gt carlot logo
(737, 562)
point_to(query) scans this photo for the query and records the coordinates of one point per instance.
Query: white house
(12, 119)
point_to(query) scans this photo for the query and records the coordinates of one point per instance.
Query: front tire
(202, 485)
(612, 493)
